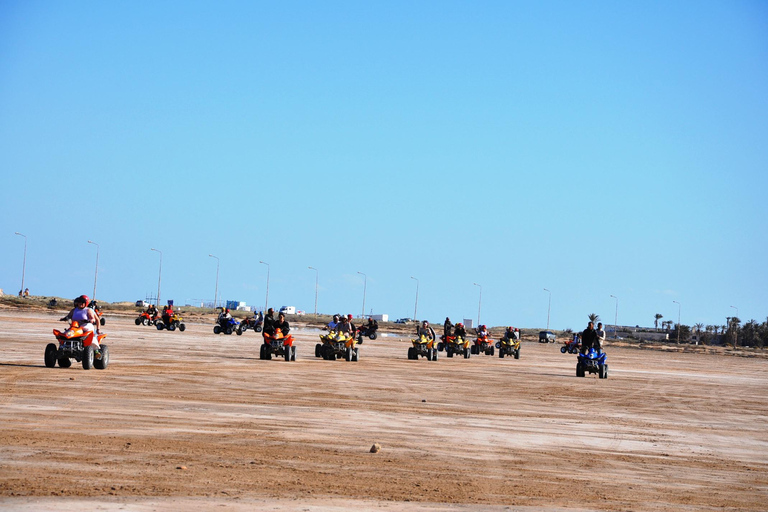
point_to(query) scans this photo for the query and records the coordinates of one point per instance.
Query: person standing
(447, 327)
(589, 338)
(600, 337)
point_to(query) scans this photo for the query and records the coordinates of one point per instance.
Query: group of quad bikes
(427, 347)
(590, 361)
(340, 345)
(170, 322)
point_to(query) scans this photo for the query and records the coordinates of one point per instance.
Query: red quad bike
(278, 345)
(483, 345)
(77, 344)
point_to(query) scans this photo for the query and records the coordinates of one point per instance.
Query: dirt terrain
(193, 420)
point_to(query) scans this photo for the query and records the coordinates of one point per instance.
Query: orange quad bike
(145, 319)
(76, 343)
(483, 345)
(279, 345)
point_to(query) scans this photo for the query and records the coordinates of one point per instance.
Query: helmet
(349, 317)
(460, 325)
(517, 330)
(81, 299)
(226, 310)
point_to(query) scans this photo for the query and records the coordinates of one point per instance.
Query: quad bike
(508, 347)
(279, 345)
(571, 347)
(370, 332)
(226, 326)
(483, 345)
(592, 362)
(172, 323)
(454, 345)
(145, 319)
(76, 343)
(95, 307)
(336, 345)
(423, 347)
(249, 323)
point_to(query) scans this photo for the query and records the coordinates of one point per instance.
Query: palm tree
(594, 318)
(656, 319)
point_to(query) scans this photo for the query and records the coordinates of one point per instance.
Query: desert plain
(196, 421)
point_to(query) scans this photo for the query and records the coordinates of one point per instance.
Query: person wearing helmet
(352, 325)
(167, 314)
(426, 331)
(509, 333)
(223, 320)
(87, 319)
(459, 331)
(344, 326)
(482, 331)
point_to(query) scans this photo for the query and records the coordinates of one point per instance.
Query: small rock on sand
(376, 448)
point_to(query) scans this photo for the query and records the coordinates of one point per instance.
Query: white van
(288, 310)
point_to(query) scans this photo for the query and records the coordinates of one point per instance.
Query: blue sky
(591, 148)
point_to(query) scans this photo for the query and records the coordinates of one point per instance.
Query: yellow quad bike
(423, 347)
(175, 322)
(336, 345)
(454, 345)
(508, 347)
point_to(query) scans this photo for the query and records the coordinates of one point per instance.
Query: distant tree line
(751, 334)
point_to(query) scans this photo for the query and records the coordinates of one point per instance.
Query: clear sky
(591, 148)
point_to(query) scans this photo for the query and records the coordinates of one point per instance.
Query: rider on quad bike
(368, 330)
(87, 318)
(167, 314)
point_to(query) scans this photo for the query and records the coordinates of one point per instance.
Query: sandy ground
(193, 420)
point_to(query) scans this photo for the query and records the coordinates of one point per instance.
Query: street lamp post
(616, 319)
(96, 273)
(678, 320)
(24, 261)
(266, 301)
(160, 275)
(549, 306)
(416, 306)
(479, 303)
(365, 287)
(216, 292)
(317, 274)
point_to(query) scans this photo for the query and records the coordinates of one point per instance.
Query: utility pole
(216, 292)
(415, 306)
(160, 275)
(365, 286)
(479, 303)
(96, 273)
(24, 261)
(678, 321)
(549, 306)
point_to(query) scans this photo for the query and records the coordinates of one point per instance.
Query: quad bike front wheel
(88, 357)
(159, 326)
(563, 349)
(102, 321)
(139, 321)
(216, 329)
(50, 355)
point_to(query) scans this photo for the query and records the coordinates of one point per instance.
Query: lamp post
(479, 303)
(24, 261)
(549, 306)
(678, 320)
(735, 336)
(96, 273)
(365, 287)
(416, 306)
(616, 319)
(266, 301)
(317, 274)
(216, 292)
(160, 275)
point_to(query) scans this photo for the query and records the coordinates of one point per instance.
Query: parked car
(547, 337)
(403, 320)
(141, 303)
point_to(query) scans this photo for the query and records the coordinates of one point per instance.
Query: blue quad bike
(592, 362)
(226, 326)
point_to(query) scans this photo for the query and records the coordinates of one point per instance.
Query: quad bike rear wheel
(373, 335)
(172, 326)
(182, 327)
(467, 353)
(603, 372)
(293, 353)
(579, 370)
(64, 362)
(159, 326)
(356, 354)
(257, 328)
(412, 353)
(348, 354)
(102, 321)
(101, 364)
(517, 354)
(318, 348)
(501, 353)
(50, 355)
